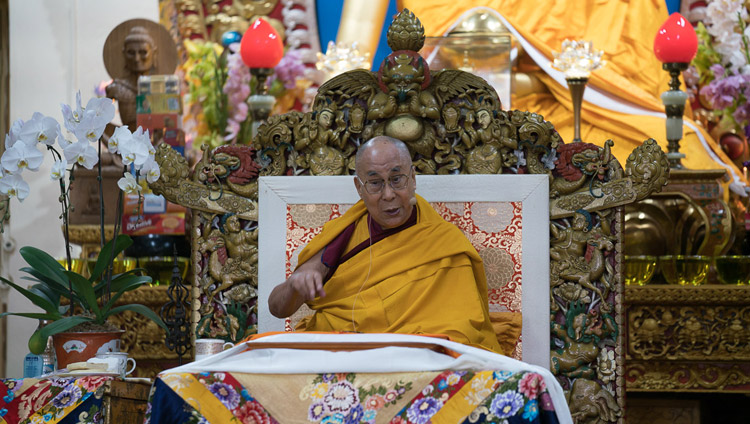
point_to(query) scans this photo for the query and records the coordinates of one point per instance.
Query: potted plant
(88, 302)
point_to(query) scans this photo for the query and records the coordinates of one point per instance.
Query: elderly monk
(390, 263)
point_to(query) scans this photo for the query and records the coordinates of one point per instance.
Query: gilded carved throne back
(453, 123)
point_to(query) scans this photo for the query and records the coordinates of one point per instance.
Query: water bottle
(33, 366)
(49, 359)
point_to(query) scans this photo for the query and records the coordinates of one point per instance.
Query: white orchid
(151, 169)
(14, 186)
(90, 128)
(128, 184)
(81, 153)
(121, 135)
(58, 169)
(72, 117)
(87, 124)
(136, 149)
(20, 156)
(12, 136)
(102, 109)
(40, 129)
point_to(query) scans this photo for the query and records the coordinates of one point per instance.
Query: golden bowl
(638, 270)
(685, 270)
(118, 266)
(76, 264)
(160, 268)
(733, 269)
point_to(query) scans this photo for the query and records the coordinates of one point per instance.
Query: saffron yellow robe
(425, 279)
(625, 31)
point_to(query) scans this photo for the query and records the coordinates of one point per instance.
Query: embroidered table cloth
(419, 397)
(356, 378)
(65, 400)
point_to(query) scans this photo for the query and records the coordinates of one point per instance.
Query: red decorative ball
(676, 40)
(261, 46)
(733, 145)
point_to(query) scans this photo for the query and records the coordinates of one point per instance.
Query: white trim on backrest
(275, 193)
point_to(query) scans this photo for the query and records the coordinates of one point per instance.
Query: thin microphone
(413, 200)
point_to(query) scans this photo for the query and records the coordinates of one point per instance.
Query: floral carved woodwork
(688, 338)
(452, 121)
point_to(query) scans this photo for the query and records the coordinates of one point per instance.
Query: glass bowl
(733, 270)
(685, 270)
(638, 270)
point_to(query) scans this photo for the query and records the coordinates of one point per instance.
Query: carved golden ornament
(191, 25)
(84, 234)
(406, 32)
(647, 173)
(689, 332)
(217, 196)
(592, 403)
(674, 295)
(669, 376)
(648, 167)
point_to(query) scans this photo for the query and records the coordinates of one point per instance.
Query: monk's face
(385, 162)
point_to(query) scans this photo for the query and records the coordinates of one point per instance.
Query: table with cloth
(356, 378)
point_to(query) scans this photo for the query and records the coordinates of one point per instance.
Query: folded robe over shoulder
(425, 279)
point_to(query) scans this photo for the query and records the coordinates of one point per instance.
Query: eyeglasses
(397, 182)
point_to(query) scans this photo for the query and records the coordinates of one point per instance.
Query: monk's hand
(308, 283)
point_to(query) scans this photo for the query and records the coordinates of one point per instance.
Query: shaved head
(379, 141)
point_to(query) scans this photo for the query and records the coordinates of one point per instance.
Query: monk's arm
(305, 283)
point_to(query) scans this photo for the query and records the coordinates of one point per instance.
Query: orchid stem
(110, 266)
(101, 194)
(66, 232)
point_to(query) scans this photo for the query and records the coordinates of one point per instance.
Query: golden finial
(406, 32)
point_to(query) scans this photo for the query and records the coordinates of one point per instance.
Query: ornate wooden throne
(453, 123)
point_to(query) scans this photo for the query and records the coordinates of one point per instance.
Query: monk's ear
(358, 186)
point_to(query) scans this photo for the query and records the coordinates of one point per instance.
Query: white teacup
(207, 347)
(117, 362)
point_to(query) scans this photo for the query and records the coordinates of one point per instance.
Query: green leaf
(122, 242)
(47, 293)
(63, 325)
(82, 287)
(38, 277)
(121, 289)
(33, 315)
(36, 299)
(120, 281)
(56, 290)
(140, 309)
(43, 263)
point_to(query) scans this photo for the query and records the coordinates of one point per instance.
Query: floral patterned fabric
(345, 398)
(66, 400)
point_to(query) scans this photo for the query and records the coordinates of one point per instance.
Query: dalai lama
(390, 264)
